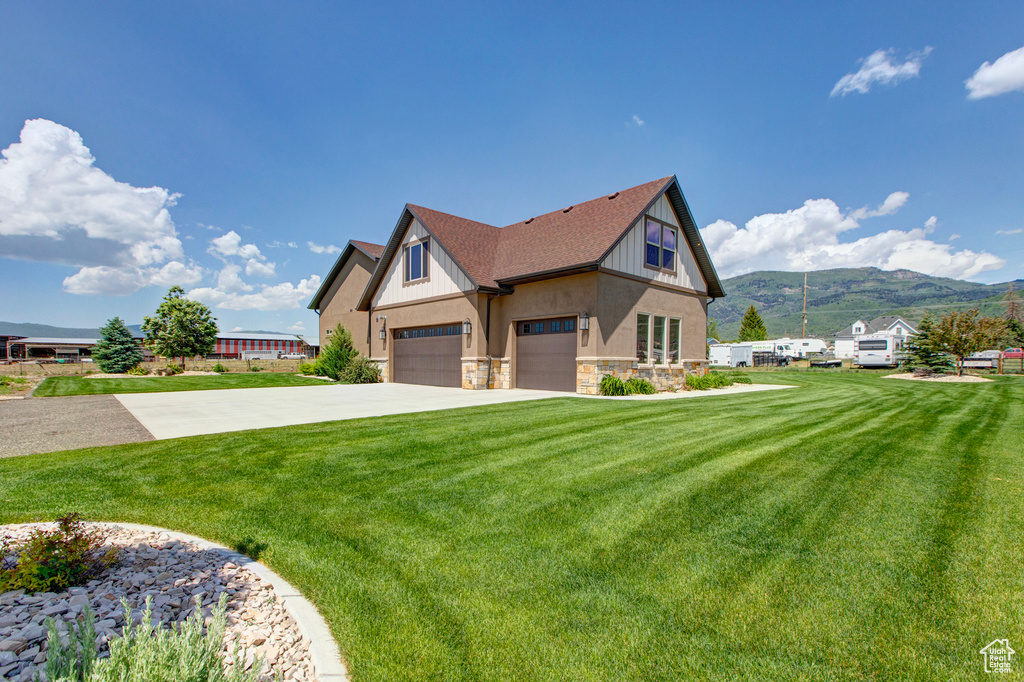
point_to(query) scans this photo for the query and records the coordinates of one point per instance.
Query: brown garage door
(546, 354)
(429, 355)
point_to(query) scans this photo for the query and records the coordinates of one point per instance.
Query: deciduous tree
(181, 327)
(961, 334)
(116, 351)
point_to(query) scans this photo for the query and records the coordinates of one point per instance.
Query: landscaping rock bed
(940, 378)
(172, 572)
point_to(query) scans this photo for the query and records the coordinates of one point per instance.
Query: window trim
(636, 336)
(670, 321)
(661, 245)
(406, 249)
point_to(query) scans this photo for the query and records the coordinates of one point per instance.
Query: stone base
(501, 373)
(664, 377)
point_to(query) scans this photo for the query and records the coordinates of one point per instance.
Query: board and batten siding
(628, 254)
(445, 277)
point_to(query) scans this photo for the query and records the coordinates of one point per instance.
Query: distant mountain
(837, 298)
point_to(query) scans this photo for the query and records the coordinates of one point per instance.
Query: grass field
(853, 528)
(62, 386)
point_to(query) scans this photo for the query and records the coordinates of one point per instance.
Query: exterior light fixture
(584, 322)
(383, 334)
(467, 328)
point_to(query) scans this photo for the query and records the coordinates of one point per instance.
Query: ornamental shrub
(639, 386)
(360, 371)
(148, 654)
(612, 385)
(708, 381)
(138, 371)
(307, 368)
(52, 561)
(337, 355)
(220, 369)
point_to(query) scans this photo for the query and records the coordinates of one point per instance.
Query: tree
(920, 350)
(337, 355)
(181, 327)
(712, 328)
(1013, 311)
(752, 327)
(116, 352)
(961, 334)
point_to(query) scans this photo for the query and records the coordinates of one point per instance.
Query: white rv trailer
(805, 347)
(783, 347)
(731, 355)
(876, 350)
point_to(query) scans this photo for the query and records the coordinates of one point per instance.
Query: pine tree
(116, 352)
(919, 351)
(181, 327)
(338, 354)
(752, 327)
(1013, 311)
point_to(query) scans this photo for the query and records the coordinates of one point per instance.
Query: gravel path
(49, 424)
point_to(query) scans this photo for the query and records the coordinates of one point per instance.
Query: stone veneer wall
(589, 372)
(382, 364)
(501, 373)
(474, 373)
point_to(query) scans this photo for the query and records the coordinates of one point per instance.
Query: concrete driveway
(191, 413)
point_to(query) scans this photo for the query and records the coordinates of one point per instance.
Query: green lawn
(61, 386)
(853, 528)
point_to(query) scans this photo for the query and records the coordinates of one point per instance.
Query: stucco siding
(444, 276)
(628, 254)
(340, 301)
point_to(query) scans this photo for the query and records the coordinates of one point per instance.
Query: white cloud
(316, 248)
(229, 282)
(57, 207)
(807, 238)
(254, 267)
(297, 327)
(954, 237)
(878, 68)
(176, 272)
(278, 244)
(230, 244)
(639, 123)
(1006, 75)
(929, 225)
(1017, 231)
(237, 329)
(892, 203)
(283, 296)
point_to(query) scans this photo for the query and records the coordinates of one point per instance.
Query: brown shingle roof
(374, 251)
(573, 237)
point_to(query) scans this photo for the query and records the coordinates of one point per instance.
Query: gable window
(661, 246)
(417, 259)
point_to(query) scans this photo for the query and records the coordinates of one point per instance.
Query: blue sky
(804, 135)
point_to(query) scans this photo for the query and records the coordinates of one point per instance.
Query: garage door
(429, 355)
(546, 354)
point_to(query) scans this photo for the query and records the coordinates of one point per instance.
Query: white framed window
(674, 336)
(417, 261)
(658, 339)
(643, 342)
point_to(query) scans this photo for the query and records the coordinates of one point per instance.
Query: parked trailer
(731, 355)
(804, 347)
(783, 347)
(876, 350)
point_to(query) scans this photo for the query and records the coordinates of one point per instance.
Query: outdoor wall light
(467, 328)
(383, 334)
(584, 322)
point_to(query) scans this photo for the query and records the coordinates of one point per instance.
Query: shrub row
(613, 385)
(713, 380)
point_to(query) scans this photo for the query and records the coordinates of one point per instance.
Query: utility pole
(803, 329)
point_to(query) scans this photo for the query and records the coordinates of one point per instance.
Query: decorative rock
(172, 573)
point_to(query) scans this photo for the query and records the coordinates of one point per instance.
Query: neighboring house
(336, 299)
(893, 325)
(617, 285)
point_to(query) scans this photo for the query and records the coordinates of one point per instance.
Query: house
(616, 285)
(893, 325)
(336, 299)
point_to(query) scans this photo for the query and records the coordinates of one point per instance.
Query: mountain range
(838, 298)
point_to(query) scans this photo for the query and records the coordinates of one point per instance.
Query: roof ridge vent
(612, 196)
(566, 210)
(527, 222)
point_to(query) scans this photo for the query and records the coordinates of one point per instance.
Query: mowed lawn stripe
(852, 528)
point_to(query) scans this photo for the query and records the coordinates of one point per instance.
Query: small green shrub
(138, 371)
(220, 369)
(171, 370)
(741, 379)
(708, 381)
(639, 386)
(360, 371)
(307, 368)
(51, 561)
(146, 653)
(612, 385)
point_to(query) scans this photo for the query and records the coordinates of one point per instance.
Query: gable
(444, 275)
(628, 255)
